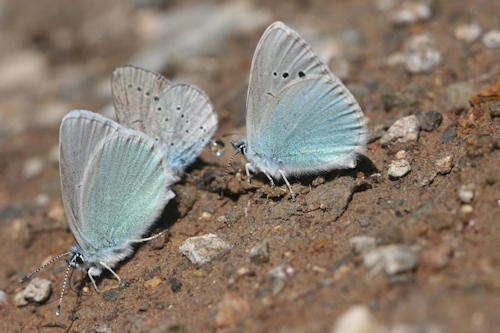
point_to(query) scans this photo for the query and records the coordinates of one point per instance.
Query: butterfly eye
(156, 98)
(79, 259)
(285, 75)
(275, 74)
(302, 74)
(139, 88)
(178, 108)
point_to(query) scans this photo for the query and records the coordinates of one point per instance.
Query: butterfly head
(76, 258)
(241, 145)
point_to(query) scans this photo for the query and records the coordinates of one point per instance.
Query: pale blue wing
(280, 57)
(124, 190)
(134, 89)
(80, 133)
(313, 124)
(183, 121)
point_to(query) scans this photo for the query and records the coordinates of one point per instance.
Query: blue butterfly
(114, 186)
(300, 118)
(179, 116)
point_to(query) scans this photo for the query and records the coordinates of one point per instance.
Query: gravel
(392, 259)
(38, 290)
(203, 249)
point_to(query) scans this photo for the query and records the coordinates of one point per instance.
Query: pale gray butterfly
(114, 186)
(179, 116)
(300, 118)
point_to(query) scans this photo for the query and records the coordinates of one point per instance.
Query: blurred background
(397, 57)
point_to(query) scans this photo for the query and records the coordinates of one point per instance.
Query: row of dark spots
(285, 74)
(147, 93)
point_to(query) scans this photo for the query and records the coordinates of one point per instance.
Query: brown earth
(67, 52)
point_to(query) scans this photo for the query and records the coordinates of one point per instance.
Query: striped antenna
(72, 262)
(51, 261)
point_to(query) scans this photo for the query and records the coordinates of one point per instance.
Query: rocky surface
(357, 249)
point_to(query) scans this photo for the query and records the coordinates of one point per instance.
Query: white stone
(411, 12)
(392, 259)
(398, 168)
(466, 193)
(203, 249)
(363, 243)
(33, 167)
(468, 32)
(357, 319)
(444, 165)
(403, 130)
(421, 54)
(491, 39)
(281, 272)
(38, 290)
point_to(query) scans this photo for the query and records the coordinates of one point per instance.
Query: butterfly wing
(313, 124)
(281, 56)
(124, 189)
(81, 133)
(183, 120)
(134, 89)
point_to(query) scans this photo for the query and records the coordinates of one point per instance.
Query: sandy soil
(56, 57)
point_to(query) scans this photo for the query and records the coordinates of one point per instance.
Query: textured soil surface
(57, 56)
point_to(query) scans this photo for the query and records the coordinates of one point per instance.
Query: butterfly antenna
(51, 261)
(58, 311)
(228, 169)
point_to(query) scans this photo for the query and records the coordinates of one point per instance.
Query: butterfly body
(300, 118)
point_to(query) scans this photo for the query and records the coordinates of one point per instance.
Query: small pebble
(33, 167)
(466, 193)
(468, 32)
(3, 298)
(282, 272)
(430, 120)
(357, 319)
(230, 310)
(421, 54)
(103, 328)
(260, 252)
(412, 11)
(203, 249)
(398, 168)
(42, 200)
(392, 259)
(491, 39)
(362, 244)
(38, 290)
(400, 154)
(175, 284)
(444, 165)
(206, 216)
(437, 257)
(466, 209)
(403, 130)
(152, 283)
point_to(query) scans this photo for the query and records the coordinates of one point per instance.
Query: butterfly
(300, 118)
(178, 116)
(115, 183)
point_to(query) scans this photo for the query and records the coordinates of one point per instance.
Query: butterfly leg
(270, 179)
(89, 273)
(248, 168)
(112, 272)
(287, 184)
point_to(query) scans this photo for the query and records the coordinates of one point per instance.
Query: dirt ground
(58, 55)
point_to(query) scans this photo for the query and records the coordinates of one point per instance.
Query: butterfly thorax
(110, 256)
